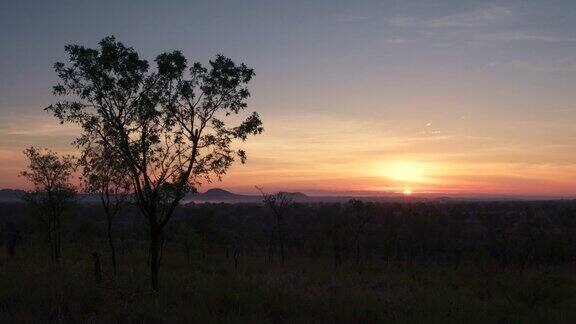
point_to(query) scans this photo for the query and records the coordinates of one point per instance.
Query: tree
(361, 219)
(104, 174)
(278, 204)
(52, 194)
(237, 236)
(187, 235)
(335, 228)
(170, 126)
(205, 226)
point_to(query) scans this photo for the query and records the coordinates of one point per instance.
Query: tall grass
(304, 290)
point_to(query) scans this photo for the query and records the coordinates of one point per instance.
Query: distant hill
(217, 195)
(11, 195)
(297, 196)
(221, 195)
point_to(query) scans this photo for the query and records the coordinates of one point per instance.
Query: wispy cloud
(347, 18)
(398, 40)
(524, 36)
(567, 64)
(472, 18)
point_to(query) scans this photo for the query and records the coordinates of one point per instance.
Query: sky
(445, 97)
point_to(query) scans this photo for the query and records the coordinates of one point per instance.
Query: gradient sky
(457, 97)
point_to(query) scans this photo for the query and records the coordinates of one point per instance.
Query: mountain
(221, 195)
(11, 195)
(297, 196)
(218, 193)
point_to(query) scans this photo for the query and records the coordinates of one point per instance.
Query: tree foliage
(278, 203)
(168, 125)
(52, 194)
(104, 173)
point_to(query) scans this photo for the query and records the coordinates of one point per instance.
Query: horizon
(384, 194)
(452, 98)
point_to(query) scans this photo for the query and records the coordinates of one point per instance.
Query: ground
(305, 289)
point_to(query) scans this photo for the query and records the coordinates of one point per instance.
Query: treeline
(519, 234)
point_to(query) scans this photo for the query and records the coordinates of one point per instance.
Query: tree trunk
(281, 239)
(161, 250)
(50, 240)
(97, 267)
(236, 257)
(57, 239)
(154, 255)
(271, 247)
(111, 244)
(337, 258)
(358, 249)
(11, 247)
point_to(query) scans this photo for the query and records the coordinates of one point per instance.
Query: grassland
(305, 289)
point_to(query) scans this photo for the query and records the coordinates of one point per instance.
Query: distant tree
(278, 203)
(237, 238)
(52, 195)
(204, 225)
(336, 229)
(186, 235)
(360, 220)
(13, 235)
(104, 173)
(168, 126)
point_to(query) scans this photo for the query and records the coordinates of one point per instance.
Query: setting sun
(407, 192)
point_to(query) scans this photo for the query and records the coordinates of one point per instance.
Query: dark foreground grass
(304, 290)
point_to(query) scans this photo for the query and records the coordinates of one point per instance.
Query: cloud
(524, 36)
(484, 16)
(347, 18)
(567, 64)
(36, 127)
(397, 40)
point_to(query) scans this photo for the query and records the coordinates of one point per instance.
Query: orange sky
(327, 155)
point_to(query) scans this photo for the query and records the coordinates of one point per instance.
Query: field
(413, 285)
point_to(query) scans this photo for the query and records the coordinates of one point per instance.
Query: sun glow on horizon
(405, 171)
(407, 192)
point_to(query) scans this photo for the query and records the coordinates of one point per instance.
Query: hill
(11, 195)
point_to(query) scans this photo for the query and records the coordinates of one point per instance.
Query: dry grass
(305, 290)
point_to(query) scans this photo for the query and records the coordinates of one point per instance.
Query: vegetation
(102, 173)
(150, 137)
(52, 194)
(423, 262)
(168, 129)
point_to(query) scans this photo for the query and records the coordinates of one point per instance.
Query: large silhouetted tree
(52, 194)
(104, 173)
(169, 125)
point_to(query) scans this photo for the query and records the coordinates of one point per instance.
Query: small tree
(104, 174)
(52, 195)
(336, 229)
(361, 219)
(237, 237)
(279, 203)
(170, 127)
(186, 235)
(205, 226)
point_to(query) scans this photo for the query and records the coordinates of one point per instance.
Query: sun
(407, 192)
